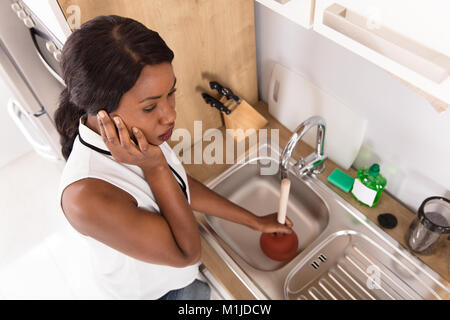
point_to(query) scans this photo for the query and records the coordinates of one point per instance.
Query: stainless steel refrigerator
(29, 64)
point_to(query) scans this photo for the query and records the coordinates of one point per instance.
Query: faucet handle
(299, 167)
(313, 163)
(320, 166)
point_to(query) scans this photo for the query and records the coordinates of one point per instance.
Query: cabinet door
(298, 11)
(212, 40)
(408, 38)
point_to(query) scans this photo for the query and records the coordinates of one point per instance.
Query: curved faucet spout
(314, 163)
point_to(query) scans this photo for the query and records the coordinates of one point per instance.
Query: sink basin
(350, 266)
(342, 254)
(259, 194)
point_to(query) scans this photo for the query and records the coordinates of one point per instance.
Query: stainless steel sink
(349, 265)
(259, 194)
(342, 254)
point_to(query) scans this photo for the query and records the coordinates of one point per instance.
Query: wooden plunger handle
(284, 196)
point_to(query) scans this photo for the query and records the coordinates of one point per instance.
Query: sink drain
(316, 264)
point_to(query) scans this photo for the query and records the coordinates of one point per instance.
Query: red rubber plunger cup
(278, 246)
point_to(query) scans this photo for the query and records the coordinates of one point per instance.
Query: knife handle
(215, 103)
(224, 91)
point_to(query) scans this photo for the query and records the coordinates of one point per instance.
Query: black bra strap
(182, 184)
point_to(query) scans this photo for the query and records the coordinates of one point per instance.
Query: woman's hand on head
(123, 148)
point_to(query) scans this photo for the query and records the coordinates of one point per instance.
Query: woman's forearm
(207, 201)
(175, 210)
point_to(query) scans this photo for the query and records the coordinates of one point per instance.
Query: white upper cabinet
(408, 38)
(298, 11)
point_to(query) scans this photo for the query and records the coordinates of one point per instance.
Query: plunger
(278, 246)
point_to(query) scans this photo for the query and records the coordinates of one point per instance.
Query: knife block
(243, 116)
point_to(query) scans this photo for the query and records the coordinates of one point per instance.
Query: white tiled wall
(405, 135)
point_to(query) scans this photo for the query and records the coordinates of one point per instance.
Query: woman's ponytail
(67, 119)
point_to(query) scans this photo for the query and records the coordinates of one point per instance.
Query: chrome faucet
(314, 163)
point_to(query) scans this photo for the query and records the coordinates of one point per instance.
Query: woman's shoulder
(88, 169)
(84, 181)
(83, 197)
(88, 189)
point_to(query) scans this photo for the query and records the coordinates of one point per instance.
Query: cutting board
(293, 98)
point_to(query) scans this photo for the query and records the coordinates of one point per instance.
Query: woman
(123, 187)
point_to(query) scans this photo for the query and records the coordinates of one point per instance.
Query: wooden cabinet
(212, 40)
(298, 11)
(408, 38)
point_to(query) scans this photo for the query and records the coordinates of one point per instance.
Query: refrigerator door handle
(33, 33)
(17, 112)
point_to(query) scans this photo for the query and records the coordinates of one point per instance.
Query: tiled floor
(40, 256)
(28, 189)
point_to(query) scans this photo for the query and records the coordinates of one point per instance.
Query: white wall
(409, 140)
(12, 142)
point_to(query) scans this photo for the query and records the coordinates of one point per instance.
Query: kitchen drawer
(298, 11)
(408, 38)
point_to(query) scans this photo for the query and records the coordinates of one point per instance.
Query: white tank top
(118, 275)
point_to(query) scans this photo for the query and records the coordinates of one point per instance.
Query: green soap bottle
(369, 185)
